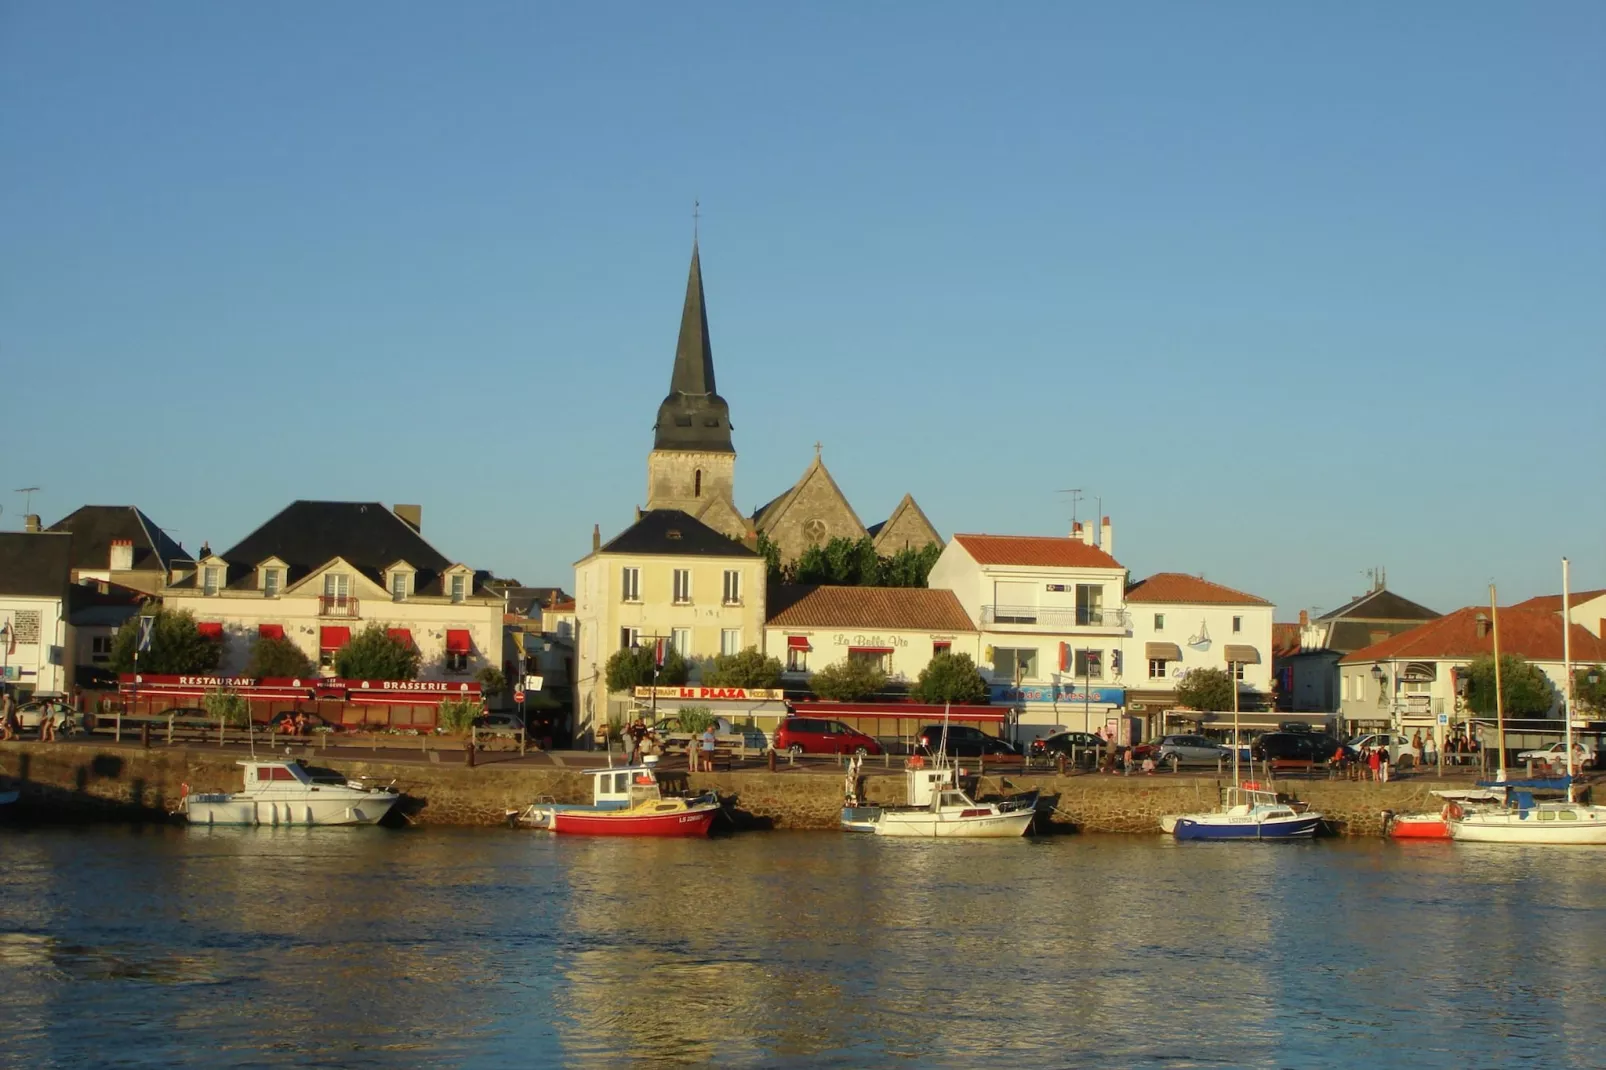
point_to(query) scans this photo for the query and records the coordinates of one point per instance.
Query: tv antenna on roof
(27, 502)
(1076, 496)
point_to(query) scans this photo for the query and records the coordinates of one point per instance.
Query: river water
(426, 947)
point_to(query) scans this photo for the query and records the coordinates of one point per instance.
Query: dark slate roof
(35, 564)
(524, 600)
(1381, 604)
(94, 527)
(693, 416)
(670, 531)
(1348, 635)
(875, 529)
(307, 535)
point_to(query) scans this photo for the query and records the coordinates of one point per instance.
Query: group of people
(700, 754)
(11, 720)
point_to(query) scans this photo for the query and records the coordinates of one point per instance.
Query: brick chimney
(1481, 623)
(1107, 537)
(31, 523)
(1304, 619)
(596, 537)
(122, 555)
(412, 516)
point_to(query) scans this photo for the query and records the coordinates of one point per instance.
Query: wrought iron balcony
(337, 605)
(1053, 617)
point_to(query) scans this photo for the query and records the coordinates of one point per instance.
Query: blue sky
(1297, 291)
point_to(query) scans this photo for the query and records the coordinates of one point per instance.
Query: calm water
(371, 948)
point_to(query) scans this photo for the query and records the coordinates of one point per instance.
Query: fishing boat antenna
(1567, 673)
(1499, 698)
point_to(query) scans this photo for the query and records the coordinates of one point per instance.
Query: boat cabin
(621, 788)
(284, 773)
(922, 785)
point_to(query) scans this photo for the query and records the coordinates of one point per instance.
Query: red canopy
(270, 631)
(404, 636)
(333, 637)
(211, 629)
(798, 642)
(458, 641)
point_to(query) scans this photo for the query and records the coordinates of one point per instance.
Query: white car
(1556, 755)
(1398, 745)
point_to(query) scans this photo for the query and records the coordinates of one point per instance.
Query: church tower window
(697, 484)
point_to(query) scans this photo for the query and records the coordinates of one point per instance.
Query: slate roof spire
(693, 416)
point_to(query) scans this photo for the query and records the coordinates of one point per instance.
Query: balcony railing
(1056, 616)
(337, 605)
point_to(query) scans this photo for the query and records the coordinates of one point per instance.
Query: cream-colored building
(897, 629)
(317, 573)
(36, 642)
(667, 577)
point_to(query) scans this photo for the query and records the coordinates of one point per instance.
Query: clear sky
(1296, 289)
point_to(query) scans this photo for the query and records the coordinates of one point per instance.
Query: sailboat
(1522, 819)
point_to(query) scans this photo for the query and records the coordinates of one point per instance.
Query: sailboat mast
(1567, 669)
(1499, 696)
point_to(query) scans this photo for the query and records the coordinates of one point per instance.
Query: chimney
(596, 537)
(1087, 534)
(1107, 537)
(1481, 623)
(1076, 529)
(31, 523)
(122, 555)
(412, 516)
(1304, 619)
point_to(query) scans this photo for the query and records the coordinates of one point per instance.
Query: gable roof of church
(693, 416)
(769, 515)
(904, 506)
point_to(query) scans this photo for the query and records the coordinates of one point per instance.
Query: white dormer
(457, 583)
(271, 576)
(399, 577)
(212, 576)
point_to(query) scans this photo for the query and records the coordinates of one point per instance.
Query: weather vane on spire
(696, 215)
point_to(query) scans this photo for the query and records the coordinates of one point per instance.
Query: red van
(815, 735)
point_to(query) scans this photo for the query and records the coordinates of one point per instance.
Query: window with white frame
(733, 587)
(270, 583)
(337, 585)
(682, 586)
(459, 587)
(398, 586)
(1159, 622)
(1237, 670)
(1237, 624)
(1090, 603)
(1012, 663)
(874, 656)
(797, 659)
(680, 639)
(730, 641)
(630, 584)
(457, 661)
(1157, 670)
(1090, 664)
(210, 577)
(629, 637)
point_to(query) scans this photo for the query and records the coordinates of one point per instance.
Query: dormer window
(398, 586)
(459, 587)
(271, 578)
(211, 578)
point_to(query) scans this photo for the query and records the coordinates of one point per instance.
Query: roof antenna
(27, 502)
(1076, 496)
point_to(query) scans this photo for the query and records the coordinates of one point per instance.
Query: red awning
(798, 642)
(333, 637)
(211, 629)
(270, 631)
(458, 641)
(404, 636)
(869, 650)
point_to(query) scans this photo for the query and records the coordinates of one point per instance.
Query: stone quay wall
(83, 780)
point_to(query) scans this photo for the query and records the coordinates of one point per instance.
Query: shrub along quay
(93, 780)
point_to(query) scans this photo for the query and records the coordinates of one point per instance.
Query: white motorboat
(286, 792)
(938, 807)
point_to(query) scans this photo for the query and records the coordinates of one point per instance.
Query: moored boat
(1248, 814)
(938, 808)
(1523, 819)
(287, 792)
(625, 801)
(1434, 825)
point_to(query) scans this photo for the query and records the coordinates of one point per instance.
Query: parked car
(1296, 746)
(1066, 743)
(1191, 750)
(668, 733)
(500, 722)
(1556, 755)
(816, 735)
(1397, 745)
(31, 715)
(964, 741)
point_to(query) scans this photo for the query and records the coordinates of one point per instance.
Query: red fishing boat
(1434, 826)
(625, 801)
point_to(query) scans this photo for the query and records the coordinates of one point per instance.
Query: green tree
(1206, 689)
(694, 719)
(1590, 694)
(951, 678)
(774, 571)
(909, 567)
(177, 647)
(228, 706)
(632, 667)
(491, 680)
(849, 681)
(373, 654)
(279, 657)
(748, 668)
(1526, 691)
(456, 714)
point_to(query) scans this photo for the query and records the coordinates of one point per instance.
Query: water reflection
(375, 948)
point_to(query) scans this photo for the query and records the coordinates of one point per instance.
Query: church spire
(693, 416)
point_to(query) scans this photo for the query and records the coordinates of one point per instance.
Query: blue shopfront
(1044, 709)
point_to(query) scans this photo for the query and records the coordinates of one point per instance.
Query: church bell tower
(692, 466)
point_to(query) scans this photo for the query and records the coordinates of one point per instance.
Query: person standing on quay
(709, 742)
(1372, 763)
(1383, 763)
(1416, 749)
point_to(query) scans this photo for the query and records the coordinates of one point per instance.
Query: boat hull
(693, 821)
(924, 824)
(1202, 827)
(860, 818)
(1418, 827)
(368, 809)
(1528, 828)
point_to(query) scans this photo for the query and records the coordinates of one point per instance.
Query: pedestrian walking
(9, 728)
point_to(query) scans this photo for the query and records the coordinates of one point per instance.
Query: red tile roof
(1552, 602)
(1181, 587)
(914, 608)
(1533, 633)
(1037, 550)
(1285, 640)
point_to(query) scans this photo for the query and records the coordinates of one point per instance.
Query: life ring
(643, 778)
(1251, 785)
(916, 762)
(1453, 811)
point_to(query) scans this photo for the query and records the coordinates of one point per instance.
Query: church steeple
(693, 416)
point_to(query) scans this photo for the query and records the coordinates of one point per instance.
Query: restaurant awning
(798, 642)
(210, 629)
(404, 636)
(1242, 655)
(458, 641)
(1162, 651)
(333, 636)
(270, 631)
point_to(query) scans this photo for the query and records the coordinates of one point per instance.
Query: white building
(897, 629)
(35, 639)
(1052, 621)
(1181, 623)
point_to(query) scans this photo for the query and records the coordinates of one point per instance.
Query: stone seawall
(74, 780)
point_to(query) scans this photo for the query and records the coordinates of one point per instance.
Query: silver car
(1191, 750)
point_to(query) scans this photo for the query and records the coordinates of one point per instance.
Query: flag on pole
(145, 626)
(658, 653)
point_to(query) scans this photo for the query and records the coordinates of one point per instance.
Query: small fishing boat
(937, 807)
(1434, 824)
(625, 801)
(1247, 814)
(287, 792)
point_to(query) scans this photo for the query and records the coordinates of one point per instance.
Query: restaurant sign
(714, 694)
(1108, 696)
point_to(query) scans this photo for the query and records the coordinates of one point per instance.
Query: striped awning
(1162, 651)
(1241, 655)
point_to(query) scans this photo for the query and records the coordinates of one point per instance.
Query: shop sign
(714, 694)
(1110, 696)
